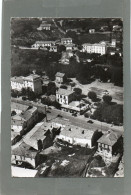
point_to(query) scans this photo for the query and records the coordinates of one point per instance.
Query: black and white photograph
(66, 97)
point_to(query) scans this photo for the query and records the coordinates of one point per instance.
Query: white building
(65, 41)
(91, 31)
(99, 48)
(59, 77)
(43, 44)
(32, 81)
(79, 136)
(64, 96)
(44, 26)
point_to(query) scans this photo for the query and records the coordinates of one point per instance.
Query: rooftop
(24, 150)
(77, 132)
(28, 113)
(38, 132)
(63, 39)
(17, 79)
(17, 106)
(14, 135)
(17, 122)
(32, 77)
(23, 172)
(64, 91)
(109, 138)
(59, 74)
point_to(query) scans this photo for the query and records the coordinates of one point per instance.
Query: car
(74, 114)
(90, 121)
(59, 116)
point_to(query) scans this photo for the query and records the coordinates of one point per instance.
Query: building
(18, 108)
(44, 26)
(17, 83)
(75, 107)
(25, 154)
(79, 136)
(41, 136)
(65, 41)
(42, 44)
(23, 121)
(70, 46)
(32, 81)
(108, 143)
(59, 77)
(53, 48)
(23, 172)
(99, 48)
(64, 96)
(91, 31)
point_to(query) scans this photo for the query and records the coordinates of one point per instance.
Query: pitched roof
(109, 138)
(28, 113)
(59, 74)
(63, 39)
(32, 77)
(77, 132)
(24, 150)
(38, 132)
(17, 79)
(18, 106)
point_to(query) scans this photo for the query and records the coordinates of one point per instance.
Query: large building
(99, 48)
(44, 26)
(43, 44)
(32, 81)
(64, 96)
(108, 144)
(79, 136)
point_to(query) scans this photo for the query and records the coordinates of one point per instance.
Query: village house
(25, 154)
(53, 48)
(17, 83)
(64, 96)
(32, 81)
(69, 47)
(99, 48)
(75, 107)
(41, 136)
(42, 44)
(20, 123)
(108, 143)
(59, 77)
(79, 136)
(91, 31)
(18, 108)
(65, 41)
(44, 26)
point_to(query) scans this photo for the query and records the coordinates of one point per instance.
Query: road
(79, 121)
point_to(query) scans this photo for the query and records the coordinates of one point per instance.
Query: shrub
(92, 95)
(107, 98)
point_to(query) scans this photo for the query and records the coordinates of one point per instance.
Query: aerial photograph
(66, 97)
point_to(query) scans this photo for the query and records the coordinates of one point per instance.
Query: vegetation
(109, 113)
(107, 98)
(92, 95)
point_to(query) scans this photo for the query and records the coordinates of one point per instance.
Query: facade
(23, 172)
(107, 144)
(79, 136)
(99, 48)
(32, 81)
(64, 96)
(43, 44)
(65, 41)
(53, 49)
(44, 26)
(91, 31)
(17, 83)
(59, 77)
(69, 47)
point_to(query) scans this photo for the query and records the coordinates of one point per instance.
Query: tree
(63, 86)
(92, 95)
(51, 88)
(61, 48)
(107, 98)
(23, 91)
(13, 113)
(77, 91)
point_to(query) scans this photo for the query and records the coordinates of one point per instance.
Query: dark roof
(109, 138)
